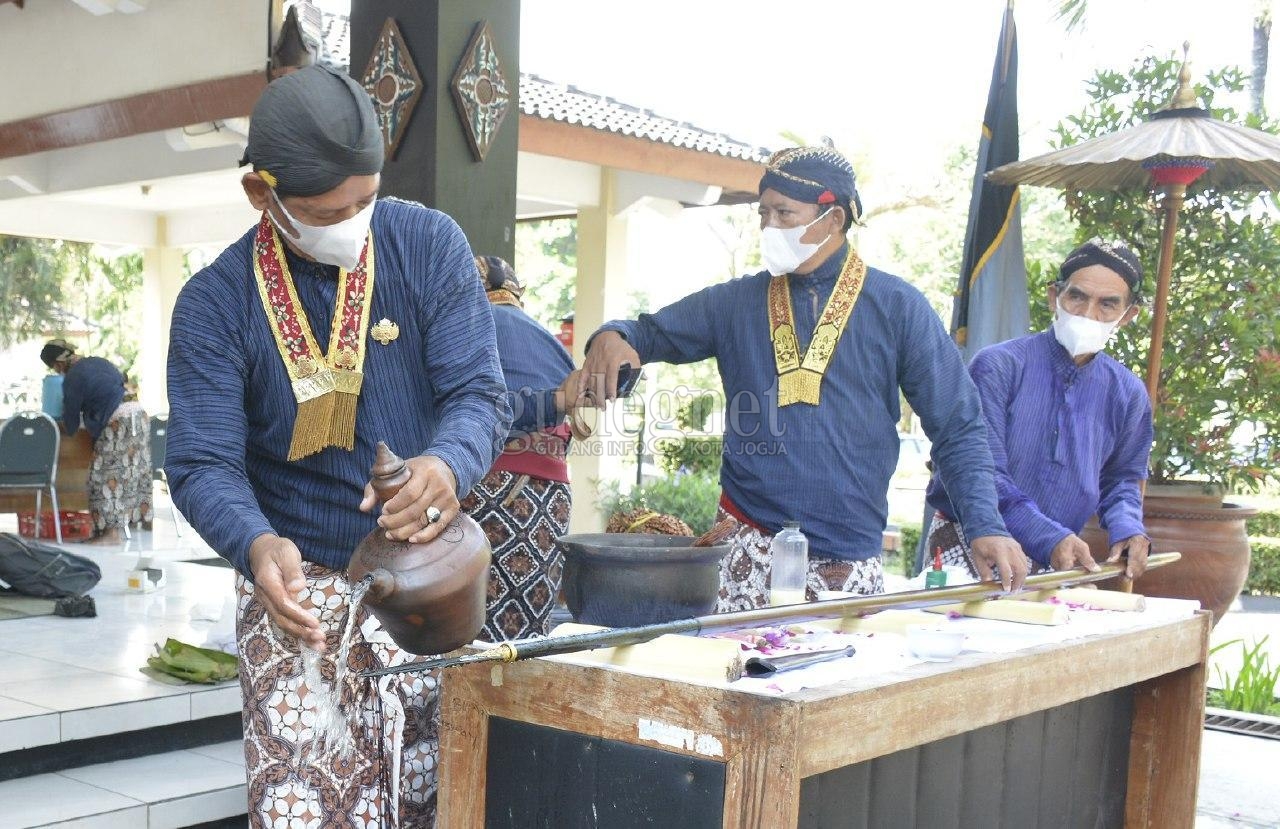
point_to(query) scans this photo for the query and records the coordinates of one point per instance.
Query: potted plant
(1217, 408)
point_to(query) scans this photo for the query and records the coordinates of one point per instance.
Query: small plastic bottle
(937, 577)
(789, 554)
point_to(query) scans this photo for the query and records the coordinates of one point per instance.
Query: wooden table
(75, 455)
(1098, 731)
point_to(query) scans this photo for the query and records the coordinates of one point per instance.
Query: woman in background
(93, 398)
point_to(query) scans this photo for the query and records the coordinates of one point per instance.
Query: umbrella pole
(1173, 197)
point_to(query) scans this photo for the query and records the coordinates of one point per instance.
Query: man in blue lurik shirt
(339, 321)
(1070, 428)
(812, 353)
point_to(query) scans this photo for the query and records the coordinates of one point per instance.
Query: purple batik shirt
(1068, 441)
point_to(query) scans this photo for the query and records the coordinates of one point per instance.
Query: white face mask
(338, 244)
(1081, 335)
(781, 249)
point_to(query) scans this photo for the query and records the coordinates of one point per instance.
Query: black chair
(159, 439)
(29, 460)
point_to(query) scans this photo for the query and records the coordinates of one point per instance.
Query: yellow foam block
(886, 621)
(674, 656)
(1101, 599)
(1027, 613)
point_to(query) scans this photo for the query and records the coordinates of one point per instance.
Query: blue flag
(991, 298)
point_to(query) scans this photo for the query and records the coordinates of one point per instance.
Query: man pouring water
(337, 321)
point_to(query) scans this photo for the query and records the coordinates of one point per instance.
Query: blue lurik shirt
(91, 392)
(534, 364)
(1068, 441)
(435, 390)
(829, 466)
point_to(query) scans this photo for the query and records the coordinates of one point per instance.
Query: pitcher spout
(381, 585)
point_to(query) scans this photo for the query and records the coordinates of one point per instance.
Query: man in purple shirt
(1070, 428)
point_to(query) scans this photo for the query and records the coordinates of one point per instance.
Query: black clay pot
(628, 579)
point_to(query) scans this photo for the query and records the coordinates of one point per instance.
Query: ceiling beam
(219, 99)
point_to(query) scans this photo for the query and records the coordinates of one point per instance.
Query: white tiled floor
(161, 776)
(66, 679)
(23, 725)
(164, 790)
(52, 798)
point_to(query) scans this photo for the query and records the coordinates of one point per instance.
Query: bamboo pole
(737, 620)
(1173, 198)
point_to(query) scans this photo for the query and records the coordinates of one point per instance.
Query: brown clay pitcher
(429, 597)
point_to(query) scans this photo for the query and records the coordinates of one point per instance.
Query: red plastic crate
(76, 525)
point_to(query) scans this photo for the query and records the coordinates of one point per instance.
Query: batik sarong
(388, 778)
(746, 569)
(120, 474)
(950, 537)
(522, 517)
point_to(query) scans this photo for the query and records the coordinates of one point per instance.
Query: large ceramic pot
(1211, 536)
(626, 579)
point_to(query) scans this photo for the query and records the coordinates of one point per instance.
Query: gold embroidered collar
(800, 376)
(327, 386)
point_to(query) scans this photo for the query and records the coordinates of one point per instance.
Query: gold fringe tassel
(312, 427)
(342, 428)
(800, 386)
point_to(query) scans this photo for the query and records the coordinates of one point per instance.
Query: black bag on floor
(43, 570)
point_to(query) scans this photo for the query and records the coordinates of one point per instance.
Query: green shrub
(1253, 689)
(693, 415)
(1266, 522)
(1264, 570)
(698, 454)
(692, 497)
(910, 542)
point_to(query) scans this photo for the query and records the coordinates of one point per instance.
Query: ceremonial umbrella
(1174, 147)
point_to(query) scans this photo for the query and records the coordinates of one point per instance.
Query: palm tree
(1261, 48)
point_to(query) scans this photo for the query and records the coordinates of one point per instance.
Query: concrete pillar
(600, 296)
(434, 163)
(163, 268)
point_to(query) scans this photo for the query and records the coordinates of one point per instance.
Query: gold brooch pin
(385, 331)
(345, 359)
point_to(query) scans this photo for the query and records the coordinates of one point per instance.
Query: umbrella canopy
(1242, 157)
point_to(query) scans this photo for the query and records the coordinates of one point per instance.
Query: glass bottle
(789, 555)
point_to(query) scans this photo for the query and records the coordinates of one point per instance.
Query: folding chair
(29, 460)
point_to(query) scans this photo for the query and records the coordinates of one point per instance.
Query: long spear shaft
(808, 611)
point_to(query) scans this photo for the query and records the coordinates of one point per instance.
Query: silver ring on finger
(432, 515)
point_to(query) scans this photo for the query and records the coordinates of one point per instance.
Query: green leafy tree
(113, 300)
(35, 277)
(546, 261)
(1218, 403)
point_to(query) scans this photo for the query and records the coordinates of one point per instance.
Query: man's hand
(998, 554)
(1139, 546)
(568, 391)
(1071, 552)
(599, 378)
(276, 565)
(431, 484)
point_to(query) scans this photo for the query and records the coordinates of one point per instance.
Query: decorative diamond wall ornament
(394, 82)
(480, 90)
